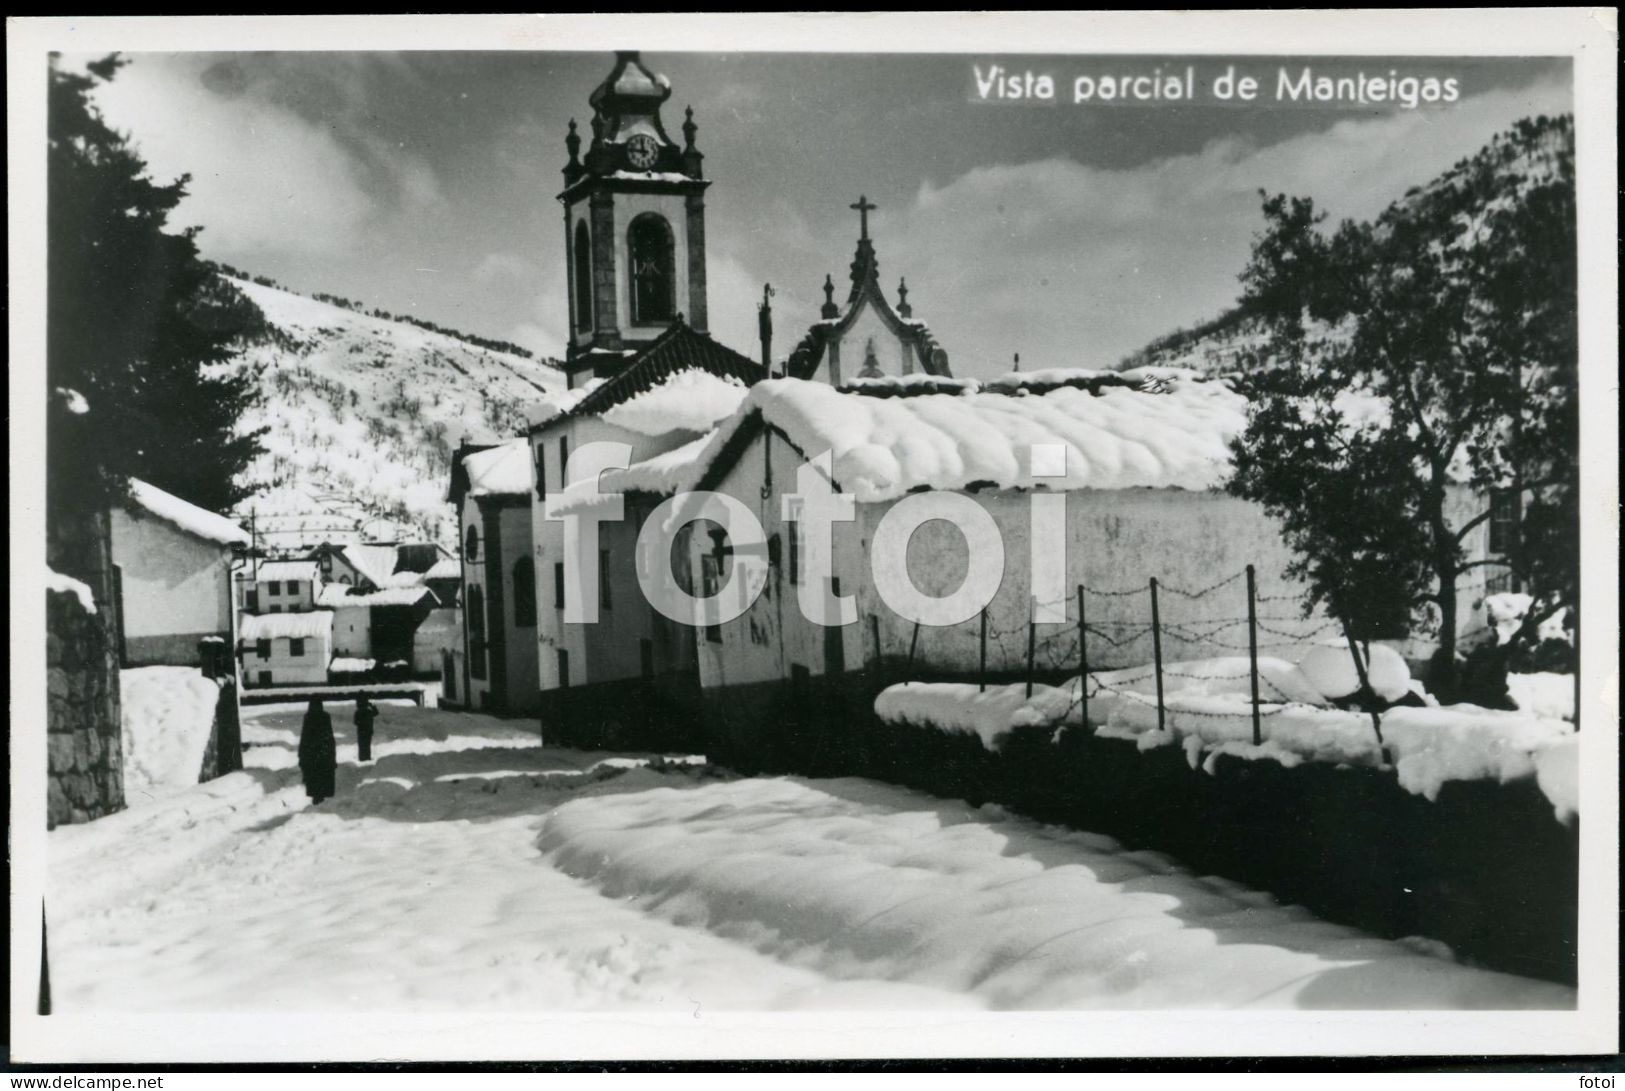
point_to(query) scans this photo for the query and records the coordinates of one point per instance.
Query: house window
(265, 678)
(262, 649)
(603, 579)
(558, 586)
(583, 277)
(564, 669)
(564, 455)
(653, 268)
(1504, 515)
(471, 544)
(274, 587)
(293, 588)
(296, 648)
(251, 600)
(524, 592)
(276, 609)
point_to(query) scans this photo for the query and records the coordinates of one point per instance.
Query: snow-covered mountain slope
(364, 414)
(1532, 153)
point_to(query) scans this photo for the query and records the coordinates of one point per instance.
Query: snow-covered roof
(308, 624)
(286, 570)
(663, 473)
(691, 400)
(1121, 437)
(333, 596)
(504, 470)
(375, 562)
(447, 568)
(187, 516)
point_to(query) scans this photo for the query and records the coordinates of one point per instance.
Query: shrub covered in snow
(1329, 667)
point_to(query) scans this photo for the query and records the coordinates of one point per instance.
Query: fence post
(1032, 630)
(1156, 648)
(1083, 661)
(1365, 688)
(1252, 648)
(913, 642)
(981, 678)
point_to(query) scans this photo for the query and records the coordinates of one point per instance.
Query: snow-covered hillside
(364, 414)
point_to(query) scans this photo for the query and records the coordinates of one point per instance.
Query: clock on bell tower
(634, 223)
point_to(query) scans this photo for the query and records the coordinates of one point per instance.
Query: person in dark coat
(318, 754)
(365, 713)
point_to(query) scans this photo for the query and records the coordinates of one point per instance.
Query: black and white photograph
(677, 537)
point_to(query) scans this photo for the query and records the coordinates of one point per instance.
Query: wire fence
(1161, 641)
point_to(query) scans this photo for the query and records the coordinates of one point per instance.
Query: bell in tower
(634, 223)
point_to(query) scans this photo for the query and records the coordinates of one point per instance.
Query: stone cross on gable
(863, 208)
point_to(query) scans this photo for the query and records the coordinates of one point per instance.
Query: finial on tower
(903, 309)
(572, 142)
(830, 310)
(689, 128)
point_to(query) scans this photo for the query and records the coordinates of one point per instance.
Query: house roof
(681, 348)
(285, 570)
(185, 516)
(336, 596)
(305, 625)
(1175, 436)
(503, 470)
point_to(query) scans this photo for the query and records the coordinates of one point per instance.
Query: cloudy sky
(1072, 234)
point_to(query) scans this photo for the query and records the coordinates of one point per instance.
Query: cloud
(264, 177)
(1072, 265)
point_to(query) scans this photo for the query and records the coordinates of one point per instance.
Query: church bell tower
(634, 224)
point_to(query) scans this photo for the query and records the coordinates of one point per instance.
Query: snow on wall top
(446, 568)
(304, 625)
(286, 570)
(691, 400)
(67, 585)
(187, 516)
(504, 470)
(1122, 437)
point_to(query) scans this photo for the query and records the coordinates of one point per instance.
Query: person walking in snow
(365, 713)
(318, 754)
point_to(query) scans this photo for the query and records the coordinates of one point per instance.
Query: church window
(471, 548)
(654, 270)
(583, 277)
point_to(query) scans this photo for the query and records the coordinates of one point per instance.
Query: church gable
(868, 338)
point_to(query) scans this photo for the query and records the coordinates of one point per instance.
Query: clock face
(641, 151)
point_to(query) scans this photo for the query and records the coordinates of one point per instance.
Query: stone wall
(84, 747)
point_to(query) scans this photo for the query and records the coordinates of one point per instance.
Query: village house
(496, 668)
(280, 586)
(172, 574)
(285, 649)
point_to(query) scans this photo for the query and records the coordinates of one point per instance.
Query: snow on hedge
(870, 883)
(1506, 611)
(1207, 710)
(961, 709)
(189, 517)
(167, 715)
(690, 401)
(67, 585)
(1543, 694)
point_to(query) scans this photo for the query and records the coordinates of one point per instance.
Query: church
(644, 370)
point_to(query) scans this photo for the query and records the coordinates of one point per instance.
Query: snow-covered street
(466, 868)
